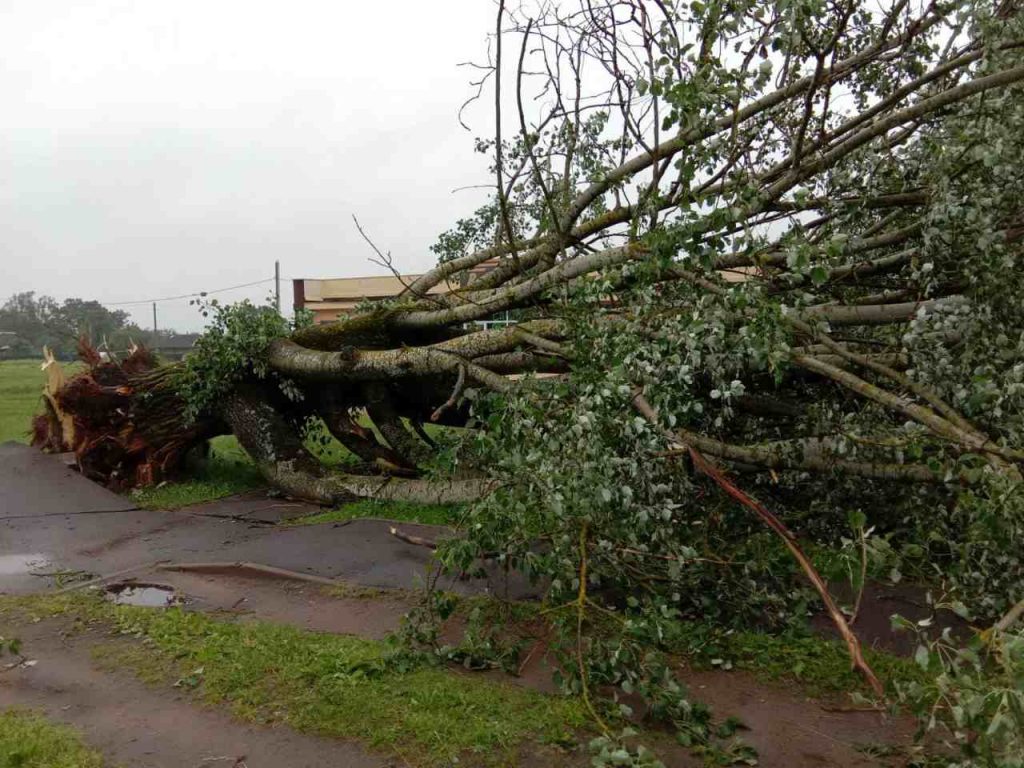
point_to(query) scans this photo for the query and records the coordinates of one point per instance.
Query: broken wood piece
(409, 538)
(247, 568)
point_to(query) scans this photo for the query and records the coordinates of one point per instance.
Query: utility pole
(154, 323)
(277, 285)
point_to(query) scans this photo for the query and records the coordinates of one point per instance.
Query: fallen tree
(775, 242)
(826, 214)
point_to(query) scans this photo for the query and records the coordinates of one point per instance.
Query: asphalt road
(54, 520)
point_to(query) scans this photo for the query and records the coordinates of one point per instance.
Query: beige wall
(330, 299)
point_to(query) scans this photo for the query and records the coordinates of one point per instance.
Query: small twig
(866, 708)
(529, 657)
(385, 260)
(23, 661)
(1010, 618)
(110, 577)
(581, 606)
(863, 576)
(248, 569)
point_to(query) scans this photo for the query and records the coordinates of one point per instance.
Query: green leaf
(922, 656)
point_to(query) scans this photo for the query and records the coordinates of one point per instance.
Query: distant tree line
(38, 321)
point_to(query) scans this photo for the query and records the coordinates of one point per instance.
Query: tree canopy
(42, 321)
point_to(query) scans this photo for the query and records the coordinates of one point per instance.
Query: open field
(21, 382)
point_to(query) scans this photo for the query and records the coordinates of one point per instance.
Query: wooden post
(277, 285)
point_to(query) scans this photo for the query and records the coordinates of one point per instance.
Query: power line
(187, 295)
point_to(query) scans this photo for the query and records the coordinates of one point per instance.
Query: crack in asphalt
(72, 514)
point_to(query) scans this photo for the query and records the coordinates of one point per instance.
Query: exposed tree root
(126, 420)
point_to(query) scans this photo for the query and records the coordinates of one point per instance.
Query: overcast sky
(152, 149)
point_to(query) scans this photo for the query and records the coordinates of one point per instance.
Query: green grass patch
(28, 740)
(331, 685)
(21, 389)
(226, 472)
(819, 664)
(403, 511)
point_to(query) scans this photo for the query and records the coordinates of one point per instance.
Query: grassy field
(21, 386)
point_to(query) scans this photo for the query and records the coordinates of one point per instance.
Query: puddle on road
(15, 565)
(145, 595)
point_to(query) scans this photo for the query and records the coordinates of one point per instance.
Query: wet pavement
(35, 484)
(55, 523)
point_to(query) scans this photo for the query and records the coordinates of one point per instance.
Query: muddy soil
(786, 727)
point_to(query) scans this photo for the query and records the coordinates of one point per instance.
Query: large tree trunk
(276, 448)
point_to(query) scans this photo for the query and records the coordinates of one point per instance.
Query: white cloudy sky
(150, 149)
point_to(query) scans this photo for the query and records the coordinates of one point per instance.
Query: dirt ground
(53, 522)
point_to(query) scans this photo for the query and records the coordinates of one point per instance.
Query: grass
(366, 690)
(332, 685)
(28, 740)
(403, 511)
(226, 472)
(21, 386)
(820, 665)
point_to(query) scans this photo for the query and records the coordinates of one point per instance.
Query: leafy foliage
(233, 346)
(972, 697)
(771, 254)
